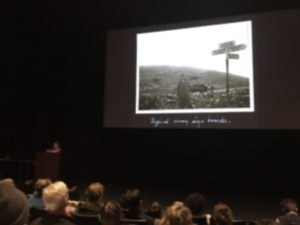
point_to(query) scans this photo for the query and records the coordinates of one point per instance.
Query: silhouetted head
(134, 199)
(196, 203)
(155, 211)
(56, 146)
(289, 205)
(111, 213)
(95, 192)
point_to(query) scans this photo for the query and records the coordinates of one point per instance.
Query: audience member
(177, 214)
(290, 208)
(133, 202)
(95, 194)
(53, 200)
(35, 199)
(111, 213)
(222, 215)
(28, 187)
(13, 204)
(56, 199)
(94, 202)
(196, 203)
(155, 211)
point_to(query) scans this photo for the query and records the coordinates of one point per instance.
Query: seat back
(86, 219)
(239, 222)
(200, 220)
(134, 222)
(35, 213)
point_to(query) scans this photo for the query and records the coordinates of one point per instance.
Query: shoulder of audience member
(62, 220)
(37, 221)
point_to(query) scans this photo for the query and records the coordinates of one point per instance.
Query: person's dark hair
(155, 211)
(123, 201)
(110, 213)
(133, 198)
(28, 187)
(289, 205)
(40, 185)
(95, 192)
(196, 203)
(267, 222)
(223, 214)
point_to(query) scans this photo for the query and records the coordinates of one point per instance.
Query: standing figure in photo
(183, 92)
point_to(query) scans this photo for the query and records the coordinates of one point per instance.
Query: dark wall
(52, 87)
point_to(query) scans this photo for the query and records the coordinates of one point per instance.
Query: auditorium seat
(86, 219)
(134, 222)
(200, 220)
(35, 213)
(252, 222)
(239, 222)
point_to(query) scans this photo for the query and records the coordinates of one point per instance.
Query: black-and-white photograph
(196, 70)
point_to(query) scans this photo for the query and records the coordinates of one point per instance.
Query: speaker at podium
(47, 165)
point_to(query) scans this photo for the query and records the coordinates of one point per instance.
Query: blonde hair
(177, 214)
(55, 196)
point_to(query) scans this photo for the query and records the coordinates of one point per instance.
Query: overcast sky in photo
(192, 47)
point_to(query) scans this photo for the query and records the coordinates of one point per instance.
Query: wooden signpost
(233, 56)
(227, 48)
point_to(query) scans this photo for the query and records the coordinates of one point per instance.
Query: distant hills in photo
(168, 77)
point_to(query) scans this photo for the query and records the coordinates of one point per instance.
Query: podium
(47, 165)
